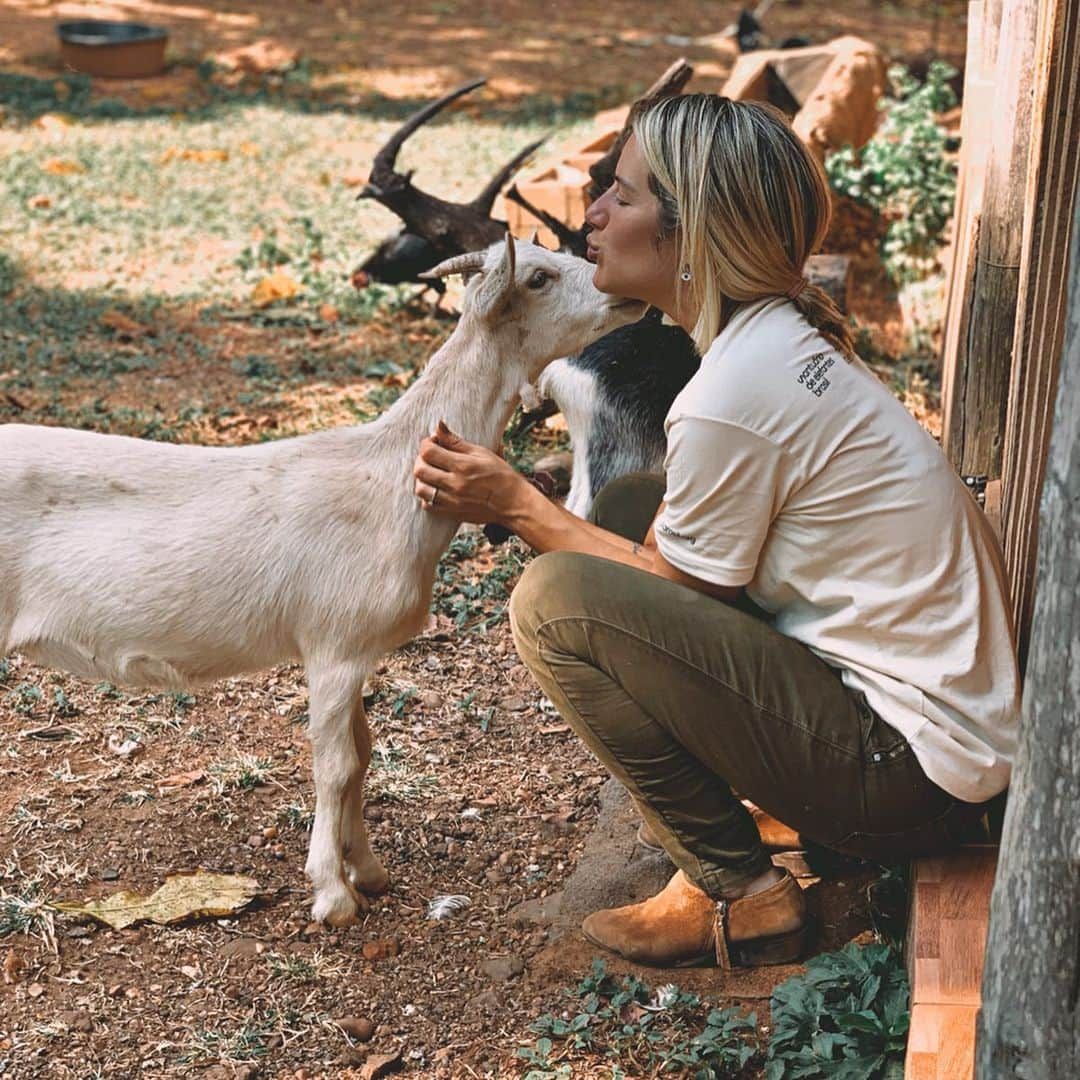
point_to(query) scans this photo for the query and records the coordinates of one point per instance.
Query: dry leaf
(278, 286)
(181, 779)
(183, 896)
(13, 966)
(38, 202)
(62, 167)
(328, 313)
(201, 157)
(553, 729)
(122, 324)
(249, 149)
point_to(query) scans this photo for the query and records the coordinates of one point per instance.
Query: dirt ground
(478, 788)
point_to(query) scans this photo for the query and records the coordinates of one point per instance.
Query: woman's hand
(465, 481)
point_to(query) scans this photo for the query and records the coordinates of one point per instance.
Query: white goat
(150, 564)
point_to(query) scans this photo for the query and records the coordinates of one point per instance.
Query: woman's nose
(596, 212)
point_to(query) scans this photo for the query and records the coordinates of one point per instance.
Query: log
(1029, 1025)
(1053, 175)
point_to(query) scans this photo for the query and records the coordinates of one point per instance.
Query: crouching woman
(807, 609)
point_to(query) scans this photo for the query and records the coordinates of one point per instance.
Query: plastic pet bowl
(119, 50)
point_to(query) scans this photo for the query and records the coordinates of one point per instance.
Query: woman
(868, 694)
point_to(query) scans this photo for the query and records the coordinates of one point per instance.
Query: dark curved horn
(383, 165)
(486, 199)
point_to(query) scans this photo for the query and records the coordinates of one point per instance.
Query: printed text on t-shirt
(812, 375)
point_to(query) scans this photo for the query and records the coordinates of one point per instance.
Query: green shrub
(904, 172)
(846, 1018)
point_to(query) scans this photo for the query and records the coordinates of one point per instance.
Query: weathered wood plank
(1053, 174)
(978, 390)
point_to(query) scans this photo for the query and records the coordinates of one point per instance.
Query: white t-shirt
(796, 473)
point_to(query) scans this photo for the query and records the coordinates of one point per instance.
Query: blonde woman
(808, 608)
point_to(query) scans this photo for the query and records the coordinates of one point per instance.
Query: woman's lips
(591, 253)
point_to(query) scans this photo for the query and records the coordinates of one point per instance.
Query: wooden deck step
(950, 911)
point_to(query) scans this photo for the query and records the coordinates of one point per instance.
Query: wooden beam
(1053, 175)
(978, 389)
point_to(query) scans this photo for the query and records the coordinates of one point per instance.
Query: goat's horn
(458, 264)
(486, 199)
(385, 158)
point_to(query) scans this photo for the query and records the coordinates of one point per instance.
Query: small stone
(503, 968)
(514, 703)
(381, 949)
(487, 1001)
(505, 858)
(76, 1020)
(270, 832)
(431, 699)
(110, 873)
(35, 990)
(255, 840)
(379, 1065)
(242, 947)
(359, 1028)
(313, 929)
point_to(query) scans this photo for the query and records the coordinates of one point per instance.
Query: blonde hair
(749, 203)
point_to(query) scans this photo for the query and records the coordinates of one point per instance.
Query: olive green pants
(683, 698)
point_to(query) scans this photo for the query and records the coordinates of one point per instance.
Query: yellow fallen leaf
(201, 157)
(62, 167)
(183, 896)
(278, 286)
(249, 149)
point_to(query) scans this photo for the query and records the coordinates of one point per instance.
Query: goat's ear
(498, 287)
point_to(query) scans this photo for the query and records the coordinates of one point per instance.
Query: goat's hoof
(370, 880)
(340, 910)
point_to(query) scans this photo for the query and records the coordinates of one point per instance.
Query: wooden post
(1029, 1024)
(978, 388)
(1053, 172)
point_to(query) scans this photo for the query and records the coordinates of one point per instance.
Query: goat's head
(543, 302)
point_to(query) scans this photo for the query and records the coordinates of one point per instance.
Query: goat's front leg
(333, 692)
(365, 871)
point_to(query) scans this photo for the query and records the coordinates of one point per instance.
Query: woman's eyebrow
(624, 183)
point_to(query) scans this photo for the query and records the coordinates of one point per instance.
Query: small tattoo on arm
(638, 549)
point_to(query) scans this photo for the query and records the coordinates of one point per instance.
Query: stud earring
(685, 275)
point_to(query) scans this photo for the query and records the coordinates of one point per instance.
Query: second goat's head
(545, 299)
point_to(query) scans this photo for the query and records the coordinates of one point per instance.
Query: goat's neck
(470, 383)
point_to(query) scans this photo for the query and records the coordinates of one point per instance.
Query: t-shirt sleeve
(725, 484)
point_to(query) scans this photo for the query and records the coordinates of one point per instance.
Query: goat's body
(276, 534)
(615, 396)
(149, 564)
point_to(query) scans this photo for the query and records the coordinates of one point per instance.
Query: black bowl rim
(97, 32)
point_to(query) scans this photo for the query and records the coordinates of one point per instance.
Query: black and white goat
(149, 564)
(615, 395)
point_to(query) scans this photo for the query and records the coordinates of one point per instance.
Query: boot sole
(760, 952)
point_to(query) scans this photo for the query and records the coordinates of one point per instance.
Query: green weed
(846, 1018)
(637, 1031)
(904, 172)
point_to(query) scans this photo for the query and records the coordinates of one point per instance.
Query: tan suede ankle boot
(683, 926)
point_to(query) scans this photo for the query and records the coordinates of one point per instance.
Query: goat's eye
(538, 280)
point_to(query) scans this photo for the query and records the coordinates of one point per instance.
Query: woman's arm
(469, 482)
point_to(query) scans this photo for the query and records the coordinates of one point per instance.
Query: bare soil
(478, 790)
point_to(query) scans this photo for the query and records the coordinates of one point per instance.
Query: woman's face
(623, 242)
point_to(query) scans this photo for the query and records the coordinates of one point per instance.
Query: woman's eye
(538, 280)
